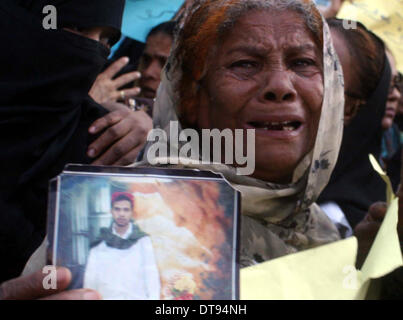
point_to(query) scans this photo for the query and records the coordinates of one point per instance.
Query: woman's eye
(245, 67)
(244, 64)
(303, 63)
(304, 66)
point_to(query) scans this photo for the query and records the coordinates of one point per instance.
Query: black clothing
(81, 13)
(354, 185)
(130, 48)
(45, 113)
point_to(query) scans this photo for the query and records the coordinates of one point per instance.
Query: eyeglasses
(397, 83)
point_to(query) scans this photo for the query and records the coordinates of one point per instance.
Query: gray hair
(305, 9)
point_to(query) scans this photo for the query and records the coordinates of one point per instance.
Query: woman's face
(153, 60)
(267, 75)
(393, 97)
(100, 34)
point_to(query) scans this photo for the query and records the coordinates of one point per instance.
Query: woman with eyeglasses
(391, 145)
(399, 114)
(353, 198)
(354, 185)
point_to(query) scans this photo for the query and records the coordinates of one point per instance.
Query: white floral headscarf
(276, 219)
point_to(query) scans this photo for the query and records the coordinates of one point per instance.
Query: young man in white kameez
(122, 265)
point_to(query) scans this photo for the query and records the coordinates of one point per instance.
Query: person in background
(48, 119)
(110, 85)
(117, 82)
(154, 57)
(391, 286)
(391, 145)
(391, 139)
(394, 93)
(399, 114)
(354, 195)
(354, 185)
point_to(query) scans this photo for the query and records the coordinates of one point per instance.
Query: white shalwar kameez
(124, 274)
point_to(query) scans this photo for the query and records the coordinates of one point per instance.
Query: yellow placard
(383, 17)
(328, 272)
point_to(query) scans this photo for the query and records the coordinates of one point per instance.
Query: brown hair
(210, 21)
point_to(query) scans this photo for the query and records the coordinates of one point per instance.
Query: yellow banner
(383, 17)
(328, 272)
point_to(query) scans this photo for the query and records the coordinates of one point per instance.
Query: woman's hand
(368, 228)
(106, 89)
(125, 134)
(32, 287)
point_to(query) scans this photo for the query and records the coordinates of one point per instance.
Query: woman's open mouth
(283, 130)
(277, 126)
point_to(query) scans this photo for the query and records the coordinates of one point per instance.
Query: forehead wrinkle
(257, 45)
(254, 51)
(307, 47)
(269, 34)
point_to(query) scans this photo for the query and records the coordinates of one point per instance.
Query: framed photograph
(146, 233)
